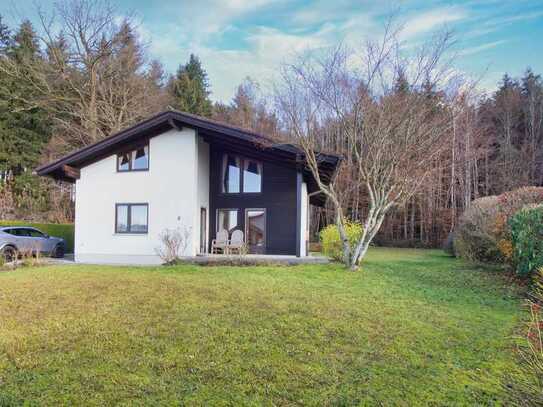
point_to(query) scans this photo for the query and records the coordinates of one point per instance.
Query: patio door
(255, 230)
(203, 230)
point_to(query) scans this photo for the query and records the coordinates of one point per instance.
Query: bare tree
(94, 78)
(391, 132)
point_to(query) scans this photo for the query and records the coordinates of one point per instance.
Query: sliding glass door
(255, 230)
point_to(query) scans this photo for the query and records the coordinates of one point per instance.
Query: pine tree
(190, 88)
(24, 130)
(5, 37)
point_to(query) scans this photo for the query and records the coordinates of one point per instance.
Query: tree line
(492, 144)
(76, 78)
(81, 75)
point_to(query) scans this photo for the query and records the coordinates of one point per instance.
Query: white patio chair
(236, 242)
(220, 243)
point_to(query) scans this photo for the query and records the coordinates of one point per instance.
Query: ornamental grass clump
(526, 387)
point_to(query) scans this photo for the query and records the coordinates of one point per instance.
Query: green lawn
(414, 327)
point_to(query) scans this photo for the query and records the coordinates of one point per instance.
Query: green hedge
(65, 231)
(527, 236)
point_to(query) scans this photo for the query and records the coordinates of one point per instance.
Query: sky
(236, 39)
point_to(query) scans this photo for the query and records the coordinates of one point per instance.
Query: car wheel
(9, 253)
(58, 252)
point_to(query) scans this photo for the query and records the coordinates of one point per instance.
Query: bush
(474, 237)
(331, 242)
(63, 230)
(527, 238)
(174, 243)
(483, 232)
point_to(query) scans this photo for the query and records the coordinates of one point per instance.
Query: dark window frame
(130, 152)
(242, 160)
(129, 220)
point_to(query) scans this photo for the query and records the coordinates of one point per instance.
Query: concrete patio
(254, 259)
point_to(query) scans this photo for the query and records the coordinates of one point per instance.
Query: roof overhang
(67, 168)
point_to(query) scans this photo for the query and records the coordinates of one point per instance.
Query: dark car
(15, 239)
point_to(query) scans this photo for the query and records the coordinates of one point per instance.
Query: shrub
(331, 242)
(527, 237)
(174, 243)
(483, 232)
(63, 230)
(474, 237)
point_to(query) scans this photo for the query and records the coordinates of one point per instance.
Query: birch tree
(390, 135)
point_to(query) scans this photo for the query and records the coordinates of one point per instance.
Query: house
(178, 170)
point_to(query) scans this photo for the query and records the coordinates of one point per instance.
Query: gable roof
(213, 131)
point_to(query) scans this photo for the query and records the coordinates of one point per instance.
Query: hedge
(65, 231)
(483, 232)
(527, 236)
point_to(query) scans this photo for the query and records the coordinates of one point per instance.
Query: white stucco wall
(173, 188)
(203, 189)
(304, 225)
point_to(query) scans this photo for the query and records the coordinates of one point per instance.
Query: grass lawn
(414, 327)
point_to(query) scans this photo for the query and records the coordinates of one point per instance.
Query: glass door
(203, 230)
(255, 230)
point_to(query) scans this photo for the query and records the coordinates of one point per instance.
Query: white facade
(175, 187)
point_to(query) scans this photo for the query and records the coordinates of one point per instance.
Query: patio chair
(220, 243)
(236, 243)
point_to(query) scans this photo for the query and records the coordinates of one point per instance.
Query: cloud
(481, 48)
(238, 38)
(431, 20)
(501, 21)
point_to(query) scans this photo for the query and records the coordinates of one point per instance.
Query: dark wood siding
(278, 197)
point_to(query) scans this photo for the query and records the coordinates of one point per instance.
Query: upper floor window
(241, 175)
(135, 160)
(231, 170)
(252, 176)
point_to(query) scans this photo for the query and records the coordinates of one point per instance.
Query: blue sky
(239, 38)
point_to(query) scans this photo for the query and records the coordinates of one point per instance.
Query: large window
(231, 170)
(252, 176)
(227, 219)
(134, 160)
(131, 218)
(233, 178)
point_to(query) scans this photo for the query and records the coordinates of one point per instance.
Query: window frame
(242, 160)
(130, 151)
(129, 219)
